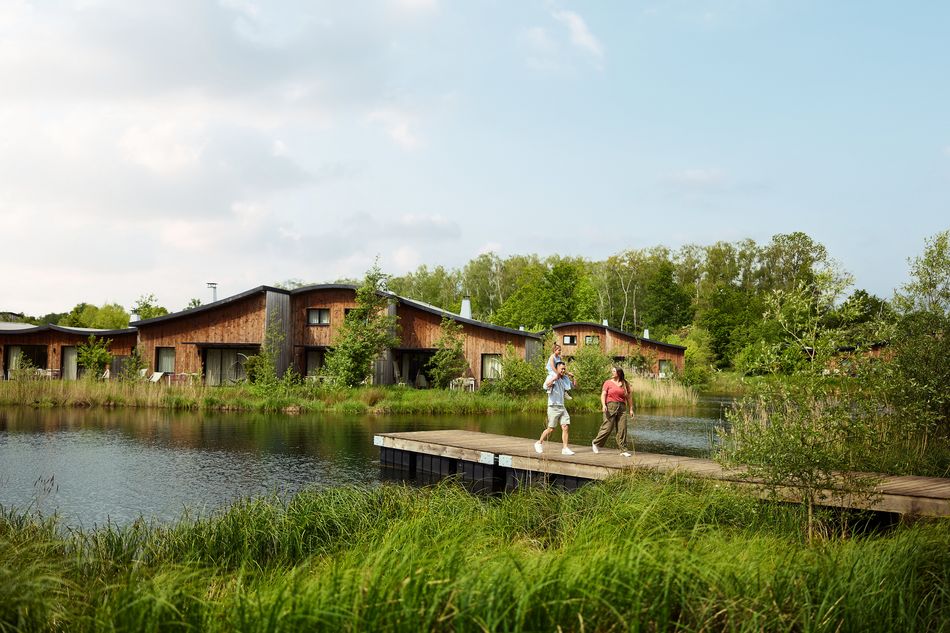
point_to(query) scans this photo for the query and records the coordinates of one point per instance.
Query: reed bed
(632, 553)
(314, 398)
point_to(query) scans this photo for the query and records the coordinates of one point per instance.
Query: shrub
(591, 367)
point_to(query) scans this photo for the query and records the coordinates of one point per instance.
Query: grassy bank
(310, 397)
(632, 553)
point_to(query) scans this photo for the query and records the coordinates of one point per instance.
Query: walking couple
(615, 397)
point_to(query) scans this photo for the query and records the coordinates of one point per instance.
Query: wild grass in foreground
(631, 553)
(313, 398)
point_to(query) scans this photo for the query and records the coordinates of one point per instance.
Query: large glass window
(592, 339)
(165, 359)
(666, 368)
(318, 316)
(70, 368)
(21, 355)
(225, 366)
(314, 361)
(570, 339)
(491, 366)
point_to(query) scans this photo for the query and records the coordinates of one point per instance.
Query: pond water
(97, 466)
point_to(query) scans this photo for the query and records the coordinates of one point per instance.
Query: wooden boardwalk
(504, 462)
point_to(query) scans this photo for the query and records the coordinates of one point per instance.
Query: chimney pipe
(466, 311)
(646, 333)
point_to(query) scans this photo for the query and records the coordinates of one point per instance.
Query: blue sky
(151, 149)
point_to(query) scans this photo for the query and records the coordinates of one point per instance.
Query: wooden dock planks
(928, 496)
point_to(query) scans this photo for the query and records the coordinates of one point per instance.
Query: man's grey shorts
(557, 414)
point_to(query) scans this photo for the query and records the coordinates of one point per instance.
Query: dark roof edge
(210, 306)
(618, 331)
(65, 329)
(461, 319)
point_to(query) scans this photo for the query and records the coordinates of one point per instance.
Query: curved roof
(419, 305)
(617, 331)
(26, 328)
(425, 307)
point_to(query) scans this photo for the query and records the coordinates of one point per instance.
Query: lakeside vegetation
(637, 552)
(313, 397)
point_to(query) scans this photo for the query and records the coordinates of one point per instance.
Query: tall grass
(308, 397)
(632, 553)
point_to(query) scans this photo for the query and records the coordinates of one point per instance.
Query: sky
(153, 147)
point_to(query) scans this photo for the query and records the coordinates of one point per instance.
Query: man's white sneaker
(538, 448)
(625, 454)
(594, 447)
(566, 451)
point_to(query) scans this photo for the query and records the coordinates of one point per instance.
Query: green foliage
(555, 293)
(134, 364)
(591, 367)
(929, 287)
(111, 316)
(147, 307)
(697, 368)
(438, 287)
(691, 557)
(94, 356)
(518, 376)
(367, 331)
(261, 368)
(802, 437)
(666, 303)
(449, 361)
(193, 303)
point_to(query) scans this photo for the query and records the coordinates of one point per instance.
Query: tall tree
(929, 287)
(147, 307)
(367, 330)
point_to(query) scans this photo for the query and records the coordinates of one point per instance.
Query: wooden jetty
(493, 463)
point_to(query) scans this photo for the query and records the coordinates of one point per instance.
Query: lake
(98, 466)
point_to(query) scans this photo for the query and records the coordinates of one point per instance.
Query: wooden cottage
(484, 343)
(318, 311)
(214, 340)
(53, 349)
(653, 357)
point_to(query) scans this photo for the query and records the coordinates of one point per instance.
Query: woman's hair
(620, 377)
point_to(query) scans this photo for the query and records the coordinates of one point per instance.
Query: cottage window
(25, 355)
(666, 368)
(226, 365)
(592, 340)
(570, 339)
(318, 316)
(491, 366)
(165, 359)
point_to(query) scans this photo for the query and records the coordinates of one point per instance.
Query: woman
(615, 397)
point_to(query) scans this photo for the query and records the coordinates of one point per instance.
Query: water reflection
(97, 466)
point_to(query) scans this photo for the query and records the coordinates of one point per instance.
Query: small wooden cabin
(319, 310)
(484, 346)
(52, 349)
(656, 358)
(214, 340)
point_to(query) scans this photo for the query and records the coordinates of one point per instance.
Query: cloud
(398, 125)
(581, 36)
(547, 53)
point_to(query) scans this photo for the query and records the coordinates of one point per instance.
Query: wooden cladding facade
(618, 344)
(239, 322)
(54, 340)
(420, 330)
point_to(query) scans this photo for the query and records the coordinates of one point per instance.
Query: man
(557, 384)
